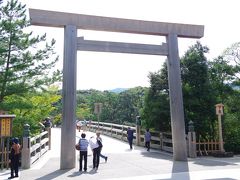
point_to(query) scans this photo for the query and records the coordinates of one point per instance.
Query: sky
(105, 71)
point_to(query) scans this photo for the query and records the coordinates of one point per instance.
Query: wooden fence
(4, 152)
(208, 147)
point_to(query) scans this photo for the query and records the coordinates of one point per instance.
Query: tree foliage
(156, 112)
(197, 91)
(31, 109)
(26, 62)
(118, 108)
(26, 69)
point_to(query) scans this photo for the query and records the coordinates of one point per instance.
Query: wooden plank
(61, 19)
(119, 47)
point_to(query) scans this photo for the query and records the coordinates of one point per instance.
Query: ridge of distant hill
(118, 90)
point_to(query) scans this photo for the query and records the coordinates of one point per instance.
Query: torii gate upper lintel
(71, 22)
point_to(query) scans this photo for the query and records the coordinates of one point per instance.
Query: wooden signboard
(97, 108)
(6, 125)
(219, 109)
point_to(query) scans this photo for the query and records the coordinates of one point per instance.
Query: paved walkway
(136, 164)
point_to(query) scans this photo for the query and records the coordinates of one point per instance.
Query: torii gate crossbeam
(71, 22)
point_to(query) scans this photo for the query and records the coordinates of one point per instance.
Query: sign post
(5, 132)
(98, 110)
(219, 113)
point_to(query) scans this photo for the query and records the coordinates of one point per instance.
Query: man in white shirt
(96, 151)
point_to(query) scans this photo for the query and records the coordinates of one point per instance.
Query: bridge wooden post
(26, 158)
(49, 130)
(138, 135)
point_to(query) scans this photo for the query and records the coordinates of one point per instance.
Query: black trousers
(14, 165)
(83, 157)
(147, 145)
(96, 155)
(130, 141)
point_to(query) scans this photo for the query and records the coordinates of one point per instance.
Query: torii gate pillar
(71, 22)
(68, 134)
(176, 100)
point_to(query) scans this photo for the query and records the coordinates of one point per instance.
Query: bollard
(26, 158)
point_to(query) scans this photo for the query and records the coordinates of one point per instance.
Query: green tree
(231, 123)
(232, 56)
(31, 108)
(110, 103)
(221, 77)
(26, 62)
(85, 103)
(156, 111)
(130, 103)
(225, 78)
(198, 93)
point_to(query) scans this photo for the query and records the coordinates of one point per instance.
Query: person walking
(147, 139)
(96, 152)
(99, 140)
(83, 143)
(130, 137)
(14, 157)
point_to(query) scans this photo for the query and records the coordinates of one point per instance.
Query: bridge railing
(39, 146)
(33, 148)
(159, 140)
(113, 130)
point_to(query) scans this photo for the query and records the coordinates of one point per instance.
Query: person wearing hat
(14, 157)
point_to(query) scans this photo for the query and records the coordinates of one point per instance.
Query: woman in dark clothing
(14, 157)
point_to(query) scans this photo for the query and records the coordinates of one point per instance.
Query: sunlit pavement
(126, 164)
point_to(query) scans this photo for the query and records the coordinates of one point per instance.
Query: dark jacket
(130, 134)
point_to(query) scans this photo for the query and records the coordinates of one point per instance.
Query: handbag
(77, 146)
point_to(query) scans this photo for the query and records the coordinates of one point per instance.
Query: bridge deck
(124, 164)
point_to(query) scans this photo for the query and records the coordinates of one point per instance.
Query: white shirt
(93, 143)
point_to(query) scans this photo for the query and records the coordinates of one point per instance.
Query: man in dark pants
(96, 152)
(83, 143)
(14, 157)
(130, 136)
(147, 139)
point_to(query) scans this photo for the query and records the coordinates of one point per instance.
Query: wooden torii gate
(71, 22)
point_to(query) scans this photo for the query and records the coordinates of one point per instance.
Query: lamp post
(219, 113)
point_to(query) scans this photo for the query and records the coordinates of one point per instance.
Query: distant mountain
(118, 90)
